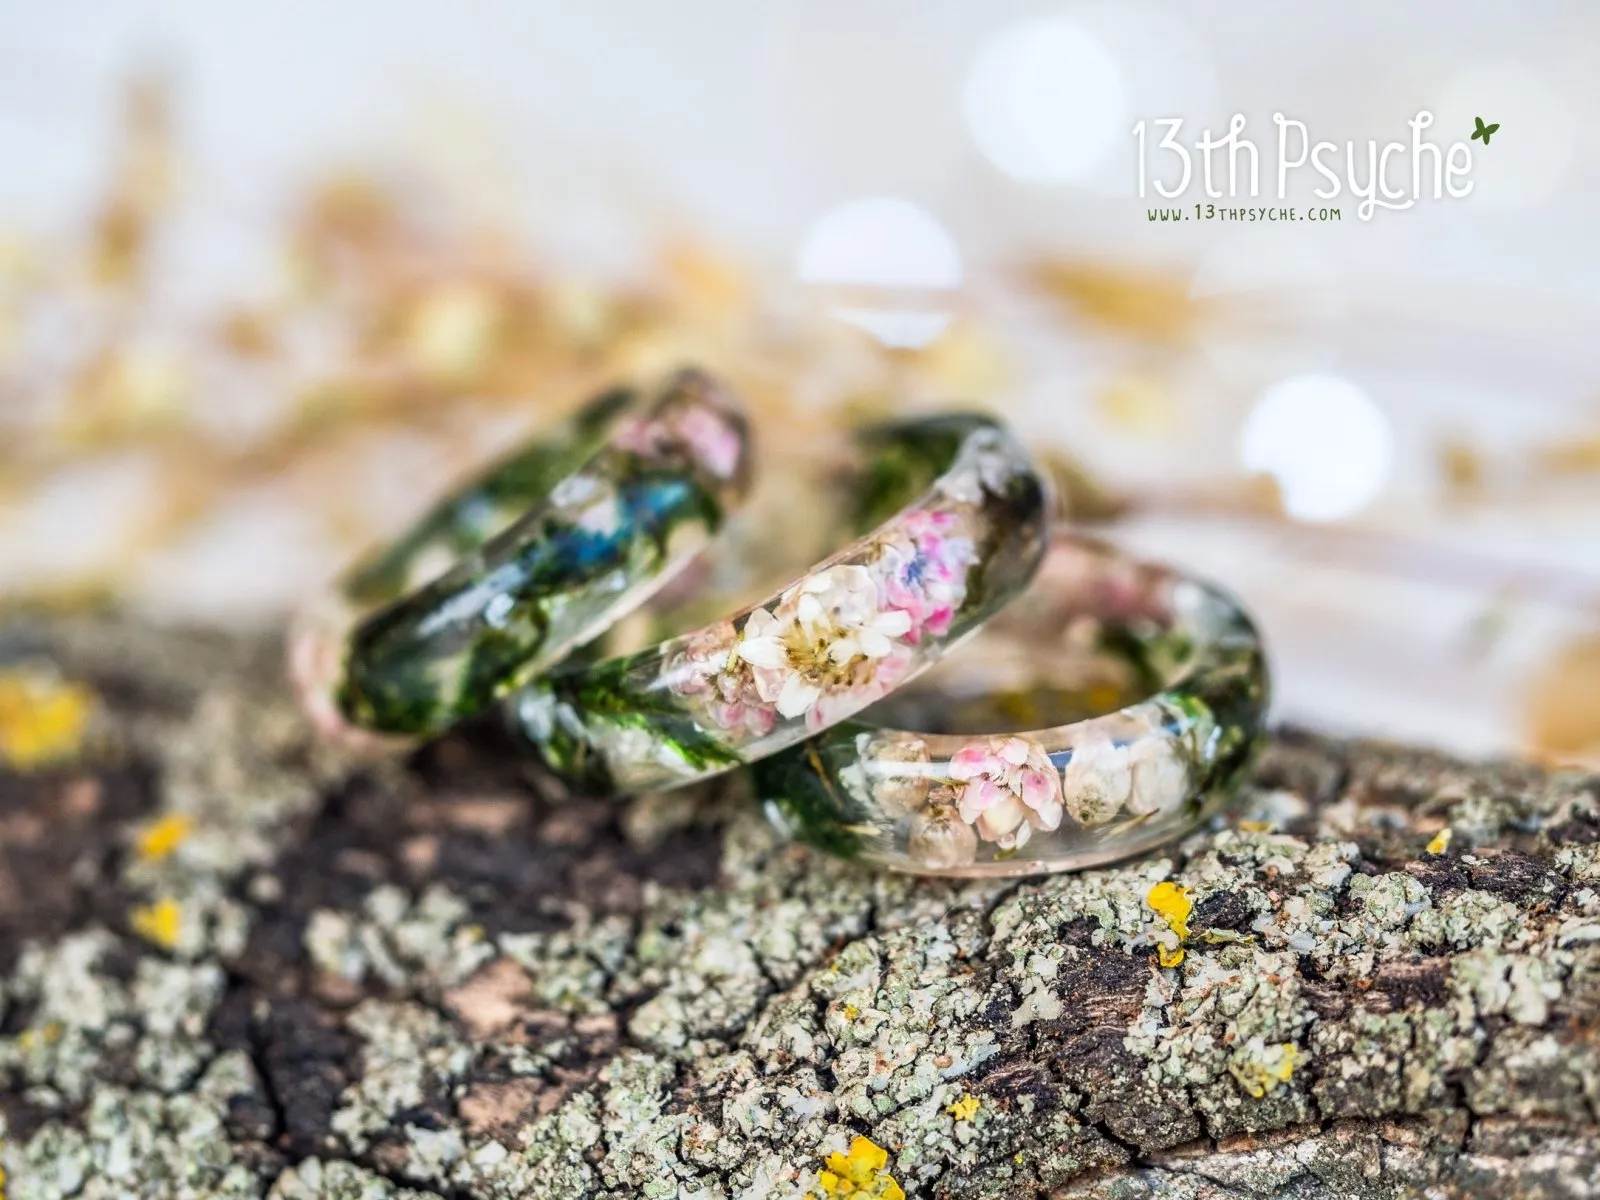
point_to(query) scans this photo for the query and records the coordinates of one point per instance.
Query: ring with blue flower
(537, 554)
(956, 519)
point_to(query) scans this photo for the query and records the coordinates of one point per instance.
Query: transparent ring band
(535, 555)
(1061, 798)
(957, 513)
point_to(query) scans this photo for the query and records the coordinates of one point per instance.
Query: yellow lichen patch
(159, 839)
(1172, 904)
(42, 718)
(1264, 1068)
(159, 923)
(1255, 826)
(1440, 841)
(859, 1175)
(965, 1108)
(850, 1011)
(49, 1033)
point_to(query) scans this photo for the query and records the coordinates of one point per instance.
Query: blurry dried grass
(1473, 473)
(266, 440)
(1563, 709)
(217, 464)
(1154, 306)
(141, 186)
(1576, 456)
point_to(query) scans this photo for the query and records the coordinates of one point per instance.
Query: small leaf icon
(1482, 131)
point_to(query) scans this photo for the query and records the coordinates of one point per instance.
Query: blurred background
(271, 275)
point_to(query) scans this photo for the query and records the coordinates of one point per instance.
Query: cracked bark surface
(431, 978)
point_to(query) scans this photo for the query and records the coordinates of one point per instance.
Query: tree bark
(237, 964)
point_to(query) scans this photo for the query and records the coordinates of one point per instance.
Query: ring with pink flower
(955, 516)
(533, 557)
(1180, 657)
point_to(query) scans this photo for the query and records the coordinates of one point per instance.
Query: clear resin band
(537, 554)
(1060, 798)
(957, 514)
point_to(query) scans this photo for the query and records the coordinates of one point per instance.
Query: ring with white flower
(1180, 656)
(534, 556)
(955, 515)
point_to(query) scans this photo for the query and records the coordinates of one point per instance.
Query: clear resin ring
(537, 554)
(1180, 655)
(957, 517)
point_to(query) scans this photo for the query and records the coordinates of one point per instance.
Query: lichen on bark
(435, 978)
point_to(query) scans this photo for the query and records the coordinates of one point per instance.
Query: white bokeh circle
(1326, 443)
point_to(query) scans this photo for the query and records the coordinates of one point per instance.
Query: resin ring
(1053, 799)
(536, 555)
(958, 519)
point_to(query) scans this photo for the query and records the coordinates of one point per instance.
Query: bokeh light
(1046, 101)
(889, 267)
(1325, 442)
(1274, 303)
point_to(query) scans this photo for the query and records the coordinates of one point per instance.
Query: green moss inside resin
(540, 553)
(486, 620)
(804, 795)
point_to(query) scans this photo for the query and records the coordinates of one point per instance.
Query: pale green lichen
(140, 1145)
(314, 1179)
(722, 1042)
(395, 941)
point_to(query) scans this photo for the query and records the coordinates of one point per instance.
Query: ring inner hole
(1093, 634)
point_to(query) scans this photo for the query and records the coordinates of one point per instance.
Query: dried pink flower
(923, 569)
(1011, 789)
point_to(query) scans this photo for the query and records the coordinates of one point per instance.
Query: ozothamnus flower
(1160, 776)
(827, 648)
(898, 780)
(940, 837)
(1098, 778)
